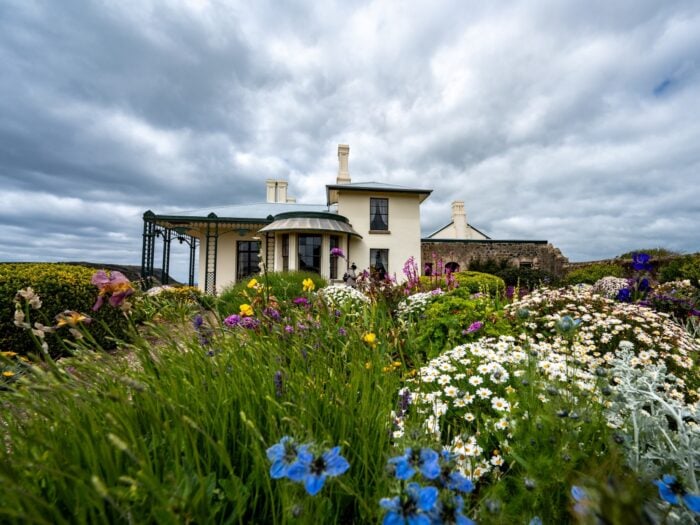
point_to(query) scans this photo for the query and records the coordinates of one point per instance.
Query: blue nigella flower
(451, 478)
(313, 470)
(671, 490)
(640, 262)
(568, 323)
(413, 507)
(425, 460)
(449, 512)
(284, 455)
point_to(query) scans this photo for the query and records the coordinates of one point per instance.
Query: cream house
(376, 225)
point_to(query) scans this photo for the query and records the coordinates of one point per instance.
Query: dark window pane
(335, 243)
(310, 253)
(378, 214)
(379, 262)
(248, 258)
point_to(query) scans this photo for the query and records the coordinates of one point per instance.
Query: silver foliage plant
(663, 433)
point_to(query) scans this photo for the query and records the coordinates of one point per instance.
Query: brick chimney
(343, 172)
(459, 219)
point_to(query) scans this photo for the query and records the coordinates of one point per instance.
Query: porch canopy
(310, 221)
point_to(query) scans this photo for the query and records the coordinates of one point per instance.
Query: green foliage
(653, 252)
(681, 268)
(170, 303)
(284, 286)
(449, 315)
(477, 282)
(61, 287)
(522, 276)
(593, 272)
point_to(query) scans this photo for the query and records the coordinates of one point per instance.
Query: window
(310, 253)
(378, 214)
(335, 243)
(379, 262)
(452, 267)
(248, 259)
(285, 252)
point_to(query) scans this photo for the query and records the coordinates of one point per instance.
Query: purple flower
(279, 383)
(197, 321)
(289, 329)
(250, 323)
(232, 320)
(337, 252)
(640, 262)
(475, 326)
(272, 313)
(301, 301)
(624, 295)
(342, 331)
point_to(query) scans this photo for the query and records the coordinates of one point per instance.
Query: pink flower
(477, 325)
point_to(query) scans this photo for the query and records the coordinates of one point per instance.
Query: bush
(593, 272)
(449, 318)
(529, 278)
(684, 267)
(480, 282)
(282, 285)
(61, 287)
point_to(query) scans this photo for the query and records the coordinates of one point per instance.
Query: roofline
(469, 225)
(369, 189)
(212, 217)
(488, 241)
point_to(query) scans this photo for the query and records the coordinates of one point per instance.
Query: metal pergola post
(165, 267)
(210, 253)
(147, 250)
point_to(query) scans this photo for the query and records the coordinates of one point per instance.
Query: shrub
(450, 320)
(529, 278)
(477, 282)
(593, 272)
(282, 285)
(61, 287)
(681, 268)
(653, 252)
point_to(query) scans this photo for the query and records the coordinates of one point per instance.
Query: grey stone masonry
(536, 254)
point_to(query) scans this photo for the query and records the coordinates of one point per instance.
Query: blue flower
(567, 323)
(313, 470)
(535, 521)
(624, 295)
(411, 508)
(452, 478)
(449, 512)
(671, 490)
(640, 262)
(285, 455)
(425, 460)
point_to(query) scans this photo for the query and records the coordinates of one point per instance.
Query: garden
(449, 399)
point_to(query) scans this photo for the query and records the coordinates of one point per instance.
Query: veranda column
(210, 253)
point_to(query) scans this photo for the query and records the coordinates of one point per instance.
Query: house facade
(376, 225)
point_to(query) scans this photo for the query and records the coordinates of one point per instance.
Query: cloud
(567, 122)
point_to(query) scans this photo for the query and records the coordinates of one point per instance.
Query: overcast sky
(574, 122)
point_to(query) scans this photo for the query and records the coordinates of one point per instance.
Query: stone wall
(536, 254)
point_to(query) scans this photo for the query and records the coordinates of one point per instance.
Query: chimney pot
(343, 171)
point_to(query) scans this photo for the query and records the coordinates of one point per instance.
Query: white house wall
(403, 241)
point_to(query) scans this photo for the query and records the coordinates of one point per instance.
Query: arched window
(452, 267)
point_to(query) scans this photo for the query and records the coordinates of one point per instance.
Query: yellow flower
(396, 364)
(368, 365)
(246, 310)
(8, 354)
(252, 283)
(370, 339)
(308, 285)
(70, 318)
(7, 373)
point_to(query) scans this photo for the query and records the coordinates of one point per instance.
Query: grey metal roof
(310, 224)
(255, 211)
(375, 186)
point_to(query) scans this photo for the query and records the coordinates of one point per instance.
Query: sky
(574, 122)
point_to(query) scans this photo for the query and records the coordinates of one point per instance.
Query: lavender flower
(279, 383)
(232, 320)
(337, 252)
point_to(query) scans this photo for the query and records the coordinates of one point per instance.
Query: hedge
(61, 287)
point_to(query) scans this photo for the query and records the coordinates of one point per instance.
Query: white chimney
(343, 172)
(459, 219)
(276, 190)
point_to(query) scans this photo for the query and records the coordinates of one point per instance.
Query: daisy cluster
(610, 286)
(415, 305)
(341, 296)
(603, 324)
(469, 387)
